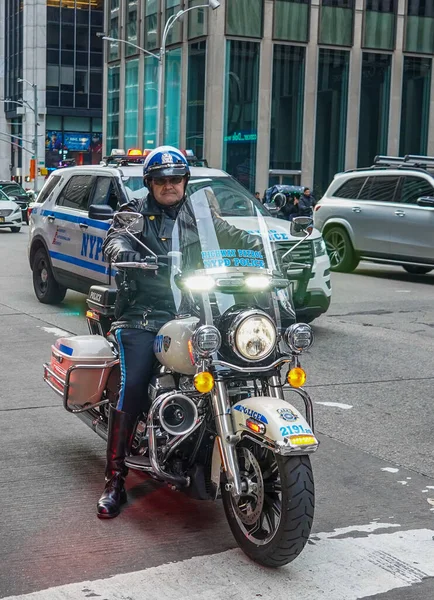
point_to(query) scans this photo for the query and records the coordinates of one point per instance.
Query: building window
(131, 27)
(151, 24)
(416, 86)
(374, 107)
(197, 23)
(151, 99)
(287, 107)
(336, 22)
(241, 110)
(420, 26)
(379, 24)
(291, 20)
(244, 18)
(112, 108)
(196, 97)
(131, 103)
(174, 35)
(331, 116)
(172, 98)
(114, 30)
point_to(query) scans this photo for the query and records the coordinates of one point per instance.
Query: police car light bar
(117, 152)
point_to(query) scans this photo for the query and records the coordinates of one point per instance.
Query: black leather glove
(128, 256)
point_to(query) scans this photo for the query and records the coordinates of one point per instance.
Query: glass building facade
(65, 66)
(285, 92)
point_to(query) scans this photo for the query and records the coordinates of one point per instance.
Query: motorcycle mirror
(301, 226)
(131, 221)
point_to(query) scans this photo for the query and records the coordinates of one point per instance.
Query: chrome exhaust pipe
(95, 422)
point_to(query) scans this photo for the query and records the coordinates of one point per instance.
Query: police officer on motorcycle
(144, 304)
(142, 307)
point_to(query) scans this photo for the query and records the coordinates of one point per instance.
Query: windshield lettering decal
(232, 258)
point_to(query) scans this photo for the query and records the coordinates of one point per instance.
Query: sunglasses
(160, 181)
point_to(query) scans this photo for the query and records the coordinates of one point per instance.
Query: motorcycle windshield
(220, 266)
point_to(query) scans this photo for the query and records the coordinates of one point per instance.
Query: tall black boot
(120, 433)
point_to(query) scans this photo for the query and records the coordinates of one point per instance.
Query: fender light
(302, 440)
(255, 426)
(92, 315)
(203, 382)
(296, 377)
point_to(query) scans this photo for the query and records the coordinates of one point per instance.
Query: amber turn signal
(203, 382)
(296, 377)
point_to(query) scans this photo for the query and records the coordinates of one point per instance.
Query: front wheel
(272, 520)
(47, 290)
(340, 250)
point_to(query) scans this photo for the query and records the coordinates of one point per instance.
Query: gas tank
(171, 345)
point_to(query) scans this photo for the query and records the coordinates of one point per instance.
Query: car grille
(302, 254)
(5, 213)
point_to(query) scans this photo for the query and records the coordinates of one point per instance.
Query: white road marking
(336, 404)
(390, 470)
(430, 501)
(402, 482)
(331, 568)
(430, 487)
(56, 331)
(402, 291)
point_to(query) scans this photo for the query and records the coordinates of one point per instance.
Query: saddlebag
(79, 369)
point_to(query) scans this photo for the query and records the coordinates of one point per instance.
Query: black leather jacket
(149, 302)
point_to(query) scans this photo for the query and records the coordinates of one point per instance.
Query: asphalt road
(370, 374)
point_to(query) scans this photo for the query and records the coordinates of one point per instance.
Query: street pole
(35, 104)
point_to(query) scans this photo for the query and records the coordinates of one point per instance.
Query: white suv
(384, 213)
(65, 246)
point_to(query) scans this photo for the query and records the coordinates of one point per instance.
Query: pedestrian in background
(306, 203)
(258, 196)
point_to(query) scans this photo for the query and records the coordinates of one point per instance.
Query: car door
(345, 207)
(373, 212)
(105, 191)
(70, 219)
(412, 232)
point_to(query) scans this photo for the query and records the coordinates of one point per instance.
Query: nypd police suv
(65, 244)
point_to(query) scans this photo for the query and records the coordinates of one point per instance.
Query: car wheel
(417, 270)
(340, 250)
(47, 290)
(15, 229)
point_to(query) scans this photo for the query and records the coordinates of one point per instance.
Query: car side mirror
(100, 212)
(13, 198)
(425, 201)
(301, 226)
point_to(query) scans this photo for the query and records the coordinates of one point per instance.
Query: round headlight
(253, 336)
(299, 337)
(206, 340)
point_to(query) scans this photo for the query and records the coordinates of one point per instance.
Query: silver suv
(384, 214)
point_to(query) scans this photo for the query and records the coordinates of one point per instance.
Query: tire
(417, 270)
(15, 229)
(343, 259)
(47, 290)
(288, 490)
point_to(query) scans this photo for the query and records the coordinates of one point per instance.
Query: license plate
(2, 219)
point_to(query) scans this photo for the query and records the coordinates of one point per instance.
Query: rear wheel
(47, 290)
(15, 229)
(417, 270)
(340, 250)
(273, 518)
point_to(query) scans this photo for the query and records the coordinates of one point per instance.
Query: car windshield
(3, 197)
(12, 189)
(233, 199)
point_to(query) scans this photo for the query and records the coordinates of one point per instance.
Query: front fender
(281, 426)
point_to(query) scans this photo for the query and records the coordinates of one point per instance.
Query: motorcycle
(221, 424)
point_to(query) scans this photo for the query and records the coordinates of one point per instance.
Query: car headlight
(253, 335)
(319, 247)
(299, 337)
